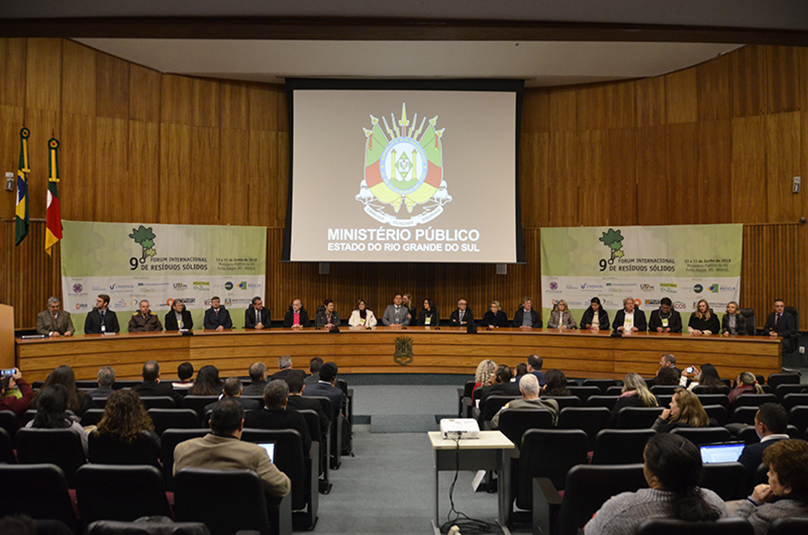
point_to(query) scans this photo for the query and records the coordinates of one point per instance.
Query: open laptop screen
(270, 447)
(724, 452)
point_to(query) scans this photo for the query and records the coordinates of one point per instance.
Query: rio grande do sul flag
(53, 225)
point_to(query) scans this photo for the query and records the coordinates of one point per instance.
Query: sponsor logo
(189, 300)
(590, 286)
(144, 237)
(242, 285)
(78, 288)
(99, 288)
(201, 286)
(82, 306)
(622, 284)
(115, 287)
(180, 286)
(668, 285)
(652, 302)
(571, 287)
(698, 288)
(647, 287)
(678, 305)
(714, 288)
(403, 169)
(228, 285)
(613, 239)
(728, 288)
(228, 301)
(121, 303)
(667, 289)
(554, 286)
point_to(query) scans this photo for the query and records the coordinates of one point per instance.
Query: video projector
(454, 428)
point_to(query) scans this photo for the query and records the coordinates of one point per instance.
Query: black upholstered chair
(9, 422)
(718, 413)
(114, 492)
(197, 403)
(637, 417)
(789, 401)
(603, 384)
(61, 447)
(6, 448)
(565, 401)
(513, 423)
(714, 399)
(777, 379)
(743, 415)
(751, 320)
(621, 446)
(754, 400)
(152, 527)
(728, 480)
(798, 417)
(669, 526)
(36, 490)
(584, 392)
(704, 435)
(107, 449)
(602, 401)
(168, 441)
(92, 417)
(158, 402)
(589, 419)
(173, 419)
(789, 526)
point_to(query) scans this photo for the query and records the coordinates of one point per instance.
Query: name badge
(629, 320)
(103, 328)
(427, 320)
(665, 322)
(361, 321)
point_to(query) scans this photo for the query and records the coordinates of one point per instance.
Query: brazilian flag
(21, 218)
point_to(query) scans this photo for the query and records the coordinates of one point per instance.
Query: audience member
(325, 387)
(665, 319)
(144, 320)
(733, 321)
(629, 319)
(635, 394)
(746, 383)
(219, 451)
(207, 382)
(561, 317)
(669, 361)
(534, 365)
(257, 315)
(19, 525)
(100, 319)
(106, 378)
(595, 317)
(297, 402)
(526, 317)
(667, 376)
(285, 369)
(673, 470)
(462, 315)
(485, 374)
(151, 385)
(258, 380)
(786, 495)
(555, 384)
(275, 416)
(502, 385)
(232, 388)
(185, 373)
(529, 387)
(125, 420)
(521, 369)
(495, 317)
(771, 421)
(707, 378)
(780, 323)
(15, 393)
(54, 321)
(314, 367)
(685, 411)
(178, 318)
(77, 400)
(703, 320)
(362, 316)
(217, 317)
(52, 403)
(296, 317)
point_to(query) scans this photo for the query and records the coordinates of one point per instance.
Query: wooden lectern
(7, 358)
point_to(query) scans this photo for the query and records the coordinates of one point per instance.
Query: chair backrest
(704, 435)
(6, 448)
(168, 441)
(258, 399)
(91, 417)
(603, 384)
(152, 527)
(584, 392)
(548, 453)
(637, 417)
(620, 446)
(36, 490)
(703, 389)
(173, 419)
(492, 405)
(748, 435)
(751, 320)
(514, 422)
(126, 493)
(602, 401)
(799, 391)
(107, 449)
(777, 379)
(723, 526)
(27, 416)
(587, 489)
(289, 458)
(565, 401)
(203, 495)
(589, 419)
(61, 447)
(789, 526)
(798, 417)
(158, 402)
(755, 400)
(714, 399)
(614, 391)
(743, 415)
(313, 423)
(197, 403)
(728, 480)
(467, 388)
(9, 421)
(665, 390)
(718, 413)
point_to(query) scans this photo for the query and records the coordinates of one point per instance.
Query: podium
(7, 357)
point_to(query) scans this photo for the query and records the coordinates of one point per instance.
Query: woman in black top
(587, 320)
(495, 317)
(703, 321)
(429, 315)
(733, 322)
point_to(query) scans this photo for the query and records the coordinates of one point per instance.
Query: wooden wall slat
(79, 80)
(681, 104)
(748, 81)
(145, 87)
(12, 71)
(563, 110)
(563, 178)
(112, 75)
(143, 173)
(234, 193)
(203, 186)
(235, 106)
(714, 186)
(783, 88)
(783, 162)
(206, 103)
(650, 102)
(682, 183)
(652, 172)
(175, 173)
(11, 117)
(111, 184)
(748, 170)
(78, 186)
(43, 74)
(535, 111)
(713, 87)
(176, 99)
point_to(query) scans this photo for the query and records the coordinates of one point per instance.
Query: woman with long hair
(707, 379)
(207, 382)
(672, 469)
(733, 321)
(484, 374)
(77, 400)
(786, 495)
(52, 412)
(595, 317)
(635, 394)
(124, 423)
(561, 317)
(685, 411)
(555, 384)
(703, 320)
(746, 383)
(429, 316)
(362, 316)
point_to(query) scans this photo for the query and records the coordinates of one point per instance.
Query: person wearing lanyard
(629, 319)
(665, 319)
(101, 319)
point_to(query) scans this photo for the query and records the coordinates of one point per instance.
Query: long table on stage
(448, 350)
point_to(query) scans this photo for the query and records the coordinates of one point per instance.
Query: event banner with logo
(160, 263)
(686, 263)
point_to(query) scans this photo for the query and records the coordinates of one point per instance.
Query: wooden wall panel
(206, 103)
(261, 183)
(592, 205)
(683, 185)
(12, 71)
(78, 187)
(783, 86)
(43, 74)
(111, 184)
(652, 173)
(112, 87)
(235, 106)
(11, 117)
(621, 172)
(203, 188)
(681, 104)
(145, 87)
(748, 78)
(650, 102)
(749, 170)
(234, 193)
(563, 110)
(784, 155)
(143, 174)
(715, 171)
(532, 184)
(175, 173)
(176, 99)
(713, 89)
(535, 111)
(562, 177)
(281, 180)
(264, 108)
(78, 82)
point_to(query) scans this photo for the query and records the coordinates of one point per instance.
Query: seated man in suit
(771, 422)
(325, 387)
(223, 449)
(54, 321)
(396, 315)
(780, 323)
(665, 319)
(529, 386)
(151, 385)
(534, 366)
(275, 416)
(233, 388)
(630, 319)
(144, 320)
(296, 316)
(106, 378)
(285, 365)
(178, 318)
(258, 379)
(217, 317)
(462, 316)
(314, 367)
(257, 316)
(503, 386)
(526, 317)
(296, 402)
(101, 319)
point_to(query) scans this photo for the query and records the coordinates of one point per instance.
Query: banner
(686, 263)
(160, 263)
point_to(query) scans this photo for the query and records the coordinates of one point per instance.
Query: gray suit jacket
(391, 316)
(45, 323)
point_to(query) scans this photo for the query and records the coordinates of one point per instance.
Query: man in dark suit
(526, 317)
(325, 387)
(296, 402)
(771, 421)
(285, 365)
(217, 317)
(257, 316)
(101, 319)
(665, 319)
(178, 317)
(314, 368)
(630, 319)
(781, 323)
(258, 379)
(232, 389)
(502, 387)
(106, 378)
(151, 385)
(275, 416)
(296, 316)
(462, 316)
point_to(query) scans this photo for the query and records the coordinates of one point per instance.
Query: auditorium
(214, 137)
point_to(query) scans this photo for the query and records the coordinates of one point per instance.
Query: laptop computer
(721, 452)
(270, 447)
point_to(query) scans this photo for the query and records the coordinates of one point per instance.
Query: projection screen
(403, 175)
